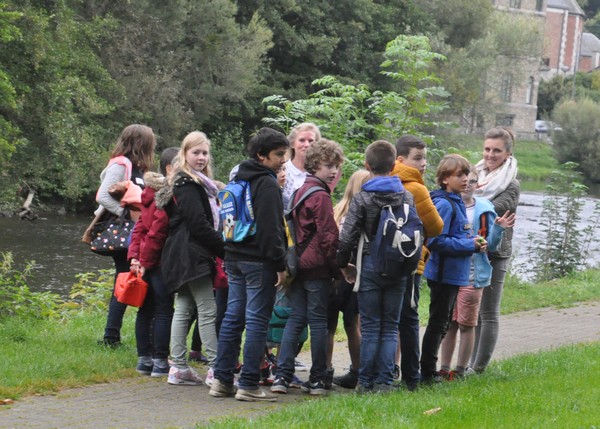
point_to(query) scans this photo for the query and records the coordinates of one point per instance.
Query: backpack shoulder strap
(292, 207)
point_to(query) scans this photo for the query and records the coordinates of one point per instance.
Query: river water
(54, 244)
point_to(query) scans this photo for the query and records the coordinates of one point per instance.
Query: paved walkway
(148, 403)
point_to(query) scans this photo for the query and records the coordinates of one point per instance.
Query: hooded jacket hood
(251, 169)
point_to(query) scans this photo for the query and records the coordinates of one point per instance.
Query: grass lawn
(556, 389)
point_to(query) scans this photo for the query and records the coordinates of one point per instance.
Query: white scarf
(212, 191)
(490, 184)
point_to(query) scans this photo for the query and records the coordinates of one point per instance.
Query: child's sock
(145, 360)
(160, 363)
(460, 370)
(445, 368)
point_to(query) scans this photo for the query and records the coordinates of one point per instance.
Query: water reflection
(54, 244)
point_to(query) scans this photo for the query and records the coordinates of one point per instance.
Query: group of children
(177, 242)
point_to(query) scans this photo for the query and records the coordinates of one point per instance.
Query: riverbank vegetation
(45, 351)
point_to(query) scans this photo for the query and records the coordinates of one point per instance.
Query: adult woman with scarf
(188, 255)
(497, 182)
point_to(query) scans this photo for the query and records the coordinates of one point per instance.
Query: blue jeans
(153, 321)
(309, 301)
(250, 304)
(409, 332)
(379, 304)
(440, 313)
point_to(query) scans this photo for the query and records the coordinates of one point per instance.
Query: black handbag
(112, 236)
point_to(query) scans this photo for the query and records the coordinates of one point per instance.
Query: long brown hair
(137, 143)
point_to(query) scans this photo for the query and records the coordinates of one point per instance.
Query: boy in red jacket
(317, 237)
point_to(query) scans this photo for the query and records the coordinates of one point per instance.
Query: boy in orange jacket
(411, 160)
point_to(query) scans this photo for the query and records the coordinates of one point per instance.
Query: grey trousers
(486, 332)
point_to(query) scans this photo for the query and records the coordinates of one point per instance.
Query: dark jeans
(221, 296)
(309, 300)
(379, 304)
(409, 331)
(153, 321)
(116, 310)
(250, 304)
(440, 312)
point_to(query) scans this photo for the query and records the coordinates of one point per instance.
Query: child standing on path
(343, 298)
(189, 252)
(379, 297)
(410, 165)
(153, 321)
(255, 268)
(483, 219)
(317, 242)
(449, 264)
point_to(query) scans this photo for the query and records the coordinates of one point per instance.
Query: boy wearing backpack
(410, 166)
(379, 293)
(316, 247)
(255, 266)
(448, 266)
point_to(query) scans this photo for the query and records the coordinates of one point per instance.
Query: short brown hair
(323, 151)
(380, 156)
(449, 165)
(407, 142)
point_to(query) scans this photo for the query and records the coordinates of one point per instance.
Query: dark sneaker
(280, 385)
(144, 369)
(348, 380)
(218, 389)
(430, 379)
(158, 371)
(296, 382)
(314, 387)
(113, 343)
(257, 395)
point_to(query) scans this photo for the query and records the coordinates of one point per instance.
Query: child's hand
(480, 244)
(506, 221)
(349, 273)
(134, 266)
(281, 276)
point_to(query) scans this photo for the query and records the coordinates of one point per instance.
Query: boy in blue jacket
(449, 264)
(483, 219)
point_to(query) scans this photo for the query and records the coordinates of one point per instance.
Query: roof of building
(589, 44)
(571, 5)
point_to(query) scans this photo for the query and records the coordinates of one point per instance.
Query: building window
(515, 4)
(506, 88)
(504, 120)
(539, 5)
(529, 95)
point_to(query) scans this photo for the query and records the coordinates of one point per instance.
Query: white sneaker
(210, 377)
(300, 366)
(186, 376)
